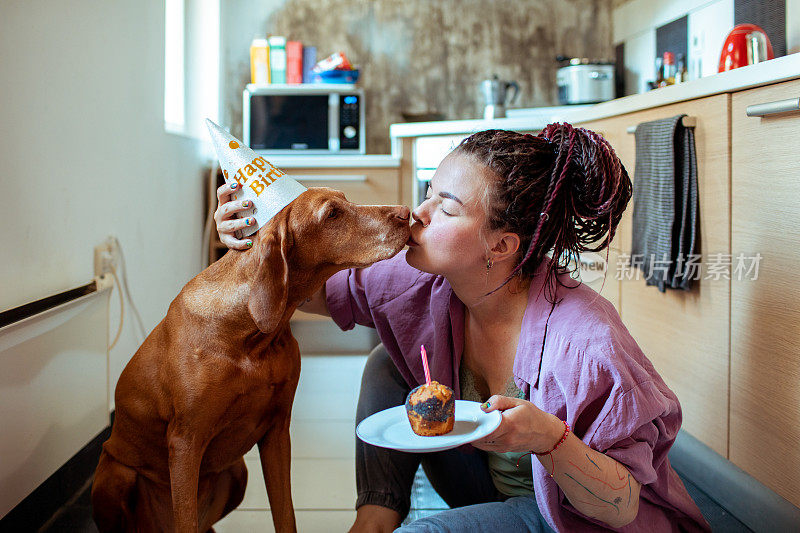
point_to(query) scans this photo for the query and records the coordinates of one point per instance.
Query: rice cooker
(584, 81)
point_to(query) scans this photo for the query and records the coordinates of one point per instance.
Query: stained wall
(426, 56)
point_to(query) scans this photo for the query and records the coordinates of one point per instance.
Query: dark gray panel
(770, 15)
(673, 37)
(619, 70)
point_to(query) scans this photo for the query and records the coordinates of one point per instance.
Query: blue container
(338, 76)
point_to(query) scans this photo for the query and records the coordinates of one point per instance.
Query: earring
(425, 225)
(489, 264)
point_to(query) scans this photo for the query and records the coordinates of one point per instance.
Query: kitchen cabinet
(684, 333)
(765, 314)
(407, 171)
(369, 186)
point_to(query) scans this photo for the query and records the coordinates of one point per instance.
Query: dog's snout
(403, 213)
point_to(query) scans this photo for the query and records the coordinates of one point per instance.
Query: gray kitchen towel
(665, 206)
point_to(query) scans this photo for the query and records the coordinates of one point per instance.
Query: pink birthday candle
(425, 364)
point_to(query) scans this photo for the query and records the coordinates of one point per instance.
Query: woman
(586, 420)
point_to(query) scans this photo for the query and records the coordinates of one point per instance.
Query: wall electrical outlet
(105, 257)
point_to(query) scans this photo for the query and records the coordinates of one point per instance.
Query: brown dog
(219, 373)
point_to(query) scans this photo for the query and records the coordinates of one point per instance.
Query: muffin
(431, 409)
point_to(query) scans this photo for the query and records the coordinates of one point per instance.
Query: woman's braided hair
(562, 191)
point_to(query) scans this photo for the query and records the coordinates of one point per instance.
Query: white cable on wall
(140, 323)
(121, 309)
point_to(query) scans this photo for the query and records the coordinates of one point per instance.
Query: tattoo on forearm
(620, 477)
(600, 480)
(592, 493)
(629, 488)
(595, 464)
(592, 504)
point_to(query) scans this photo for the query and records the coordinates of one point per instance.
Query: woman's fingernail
(249, 244)
(245, 203)
(233, 185)
(485, 406)
(249, 221)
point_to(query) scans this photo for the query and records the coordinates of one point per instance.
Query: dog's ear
(270, 291)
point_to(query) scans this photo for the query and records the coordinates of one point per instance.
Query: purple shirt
(590, 372)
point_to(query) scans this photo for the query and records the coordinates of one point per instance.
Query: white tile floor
(323, 452)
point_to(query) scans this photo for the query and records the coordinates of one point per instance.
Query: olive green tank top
(510, 479)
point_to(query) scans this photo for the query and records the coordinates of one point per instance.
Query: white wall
(84, 155)
(241, 21)
(792, 26)
(708, 27)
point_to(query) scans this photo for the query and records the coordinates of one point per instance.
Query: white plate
(390, 428)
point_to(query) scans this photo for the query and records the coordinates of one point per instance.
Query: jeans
(460, 476)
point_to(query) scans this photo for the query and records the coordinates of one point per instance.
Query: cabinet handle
(331, 177)
(773, 108)
(688, 122)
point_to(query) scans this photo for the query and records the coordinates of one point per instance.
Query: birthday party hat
(268, 188)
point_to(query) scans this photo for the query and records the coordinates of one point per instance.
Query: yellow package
(259, 62)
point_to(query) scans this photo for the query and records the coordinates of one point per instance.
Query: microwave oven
(304, 119)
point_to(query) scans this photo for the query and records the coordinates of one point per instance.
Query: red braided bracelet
(554, 448)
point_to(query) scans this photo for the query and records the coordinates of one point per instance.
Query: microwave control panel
(349, 122)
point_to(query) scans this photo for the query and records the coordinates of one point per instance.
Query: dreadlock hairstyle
(562, 191)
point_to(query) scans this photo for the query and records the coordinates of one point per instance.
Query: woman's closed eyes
(441, 207)
(443, 196)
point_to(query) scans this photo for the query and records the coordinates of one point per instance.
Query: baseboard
(36, 509)
(743, 496)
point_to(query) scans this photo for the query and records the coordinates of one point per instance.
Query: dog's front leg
(275, 451)
(185, 455)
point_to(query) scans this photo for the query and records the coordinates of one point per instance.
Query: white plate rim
(366, 429)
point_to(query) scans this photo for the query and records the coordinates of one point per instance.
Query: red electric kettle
(746, 44)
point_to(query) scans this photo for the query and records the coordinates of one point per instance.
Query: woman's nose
(416, 214)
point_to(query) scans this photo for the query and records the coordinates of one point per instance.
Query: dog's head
(316, 235)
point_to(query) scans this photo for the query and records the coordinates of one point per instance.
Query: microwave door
(289, 122)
